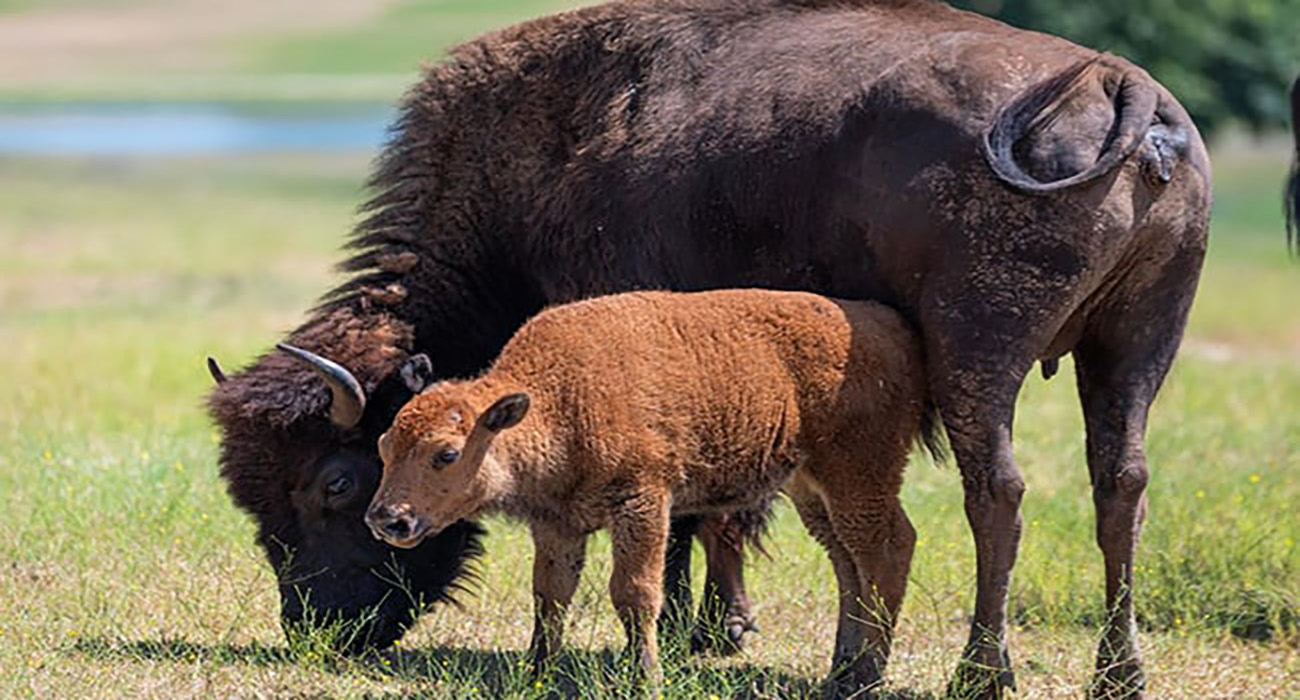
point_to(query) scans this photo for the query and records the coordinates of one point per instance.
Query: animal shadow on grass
(495, 673)
(179, 650)
(575, 672)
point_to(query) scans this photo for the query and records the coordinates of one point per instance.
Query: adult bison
(1016, 196)
(1292, 200)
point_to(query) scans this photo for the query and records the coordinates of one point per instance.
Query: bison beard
(1017, 197)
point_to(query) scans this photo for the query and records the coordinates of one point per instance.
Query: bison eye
(338, 486)
(446, 457)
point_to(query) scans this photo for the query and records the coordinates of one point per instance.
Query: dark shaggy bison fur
(1292, 199)
(1015, 196)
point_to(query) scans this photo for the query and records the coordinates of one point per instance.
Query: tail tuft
(1134, 103)
(933, 435)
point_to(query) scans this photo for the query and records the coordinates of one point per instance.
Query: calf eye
(446, 457)
(338, 486)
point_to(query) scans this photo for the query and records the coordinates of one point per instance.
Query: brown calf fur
(627, 408)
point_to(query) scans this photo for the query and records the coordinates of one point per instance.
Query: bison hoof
(1122, 680)
(978, 679)
(724, 640)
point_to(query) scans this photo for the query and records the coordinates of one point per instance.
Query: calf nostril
(400, 528)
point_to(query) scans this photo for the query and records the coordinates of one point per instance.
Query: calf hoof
(726, 640)
(1121, 680)
(982, 679)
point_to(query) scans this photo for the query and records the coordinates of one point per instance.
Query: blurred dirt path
(76, 44)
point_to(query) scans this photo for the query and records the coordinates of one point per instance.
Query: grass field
(126, 572)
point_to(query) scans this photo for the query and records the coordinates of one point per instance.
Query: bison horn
(215, 370)
(349, 399)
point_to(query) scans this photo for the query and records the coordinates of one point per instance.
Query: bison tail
(1135, 103)
(932, 434)
(1292, 198)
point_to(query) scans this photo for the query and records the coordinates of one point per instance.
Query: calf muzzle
(396, 525)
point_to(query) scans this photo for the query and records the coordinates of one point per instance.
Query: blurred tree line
(1225, 60)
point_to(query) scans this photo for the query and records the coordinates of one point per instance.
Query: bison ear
(214, 369)
(417, 373)
(505, 413)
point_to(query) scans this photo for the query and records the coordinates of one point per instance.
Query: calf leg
(557, 565)
(848, 634)
(870, 524)
(725, 614)
(639, 534)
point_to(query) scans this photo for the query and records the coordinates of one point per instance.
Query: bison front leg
(725, 614)
(676, 616)
(558, 558)
(639, 535)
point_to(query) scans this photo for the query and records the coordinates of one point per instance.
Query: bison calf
(615, 412)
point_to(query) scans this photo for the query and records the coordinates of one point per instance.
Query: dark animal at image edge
(1291, 201)
(1015, 196)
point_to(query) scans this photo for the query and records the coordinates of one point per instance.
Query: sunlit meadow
(125, 571)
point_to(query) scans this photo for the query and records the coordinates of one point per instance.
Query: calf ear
(417, 373)
(505, 413)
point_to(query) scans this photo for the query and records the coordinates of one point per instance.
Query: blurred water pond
(179, 129)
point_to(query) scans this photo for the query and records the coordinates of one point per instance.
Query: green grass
(7, 6)
(126, 572)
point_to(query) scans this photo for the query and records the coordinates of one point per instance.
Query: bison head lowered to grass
(298, 454)
(1017, 197)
